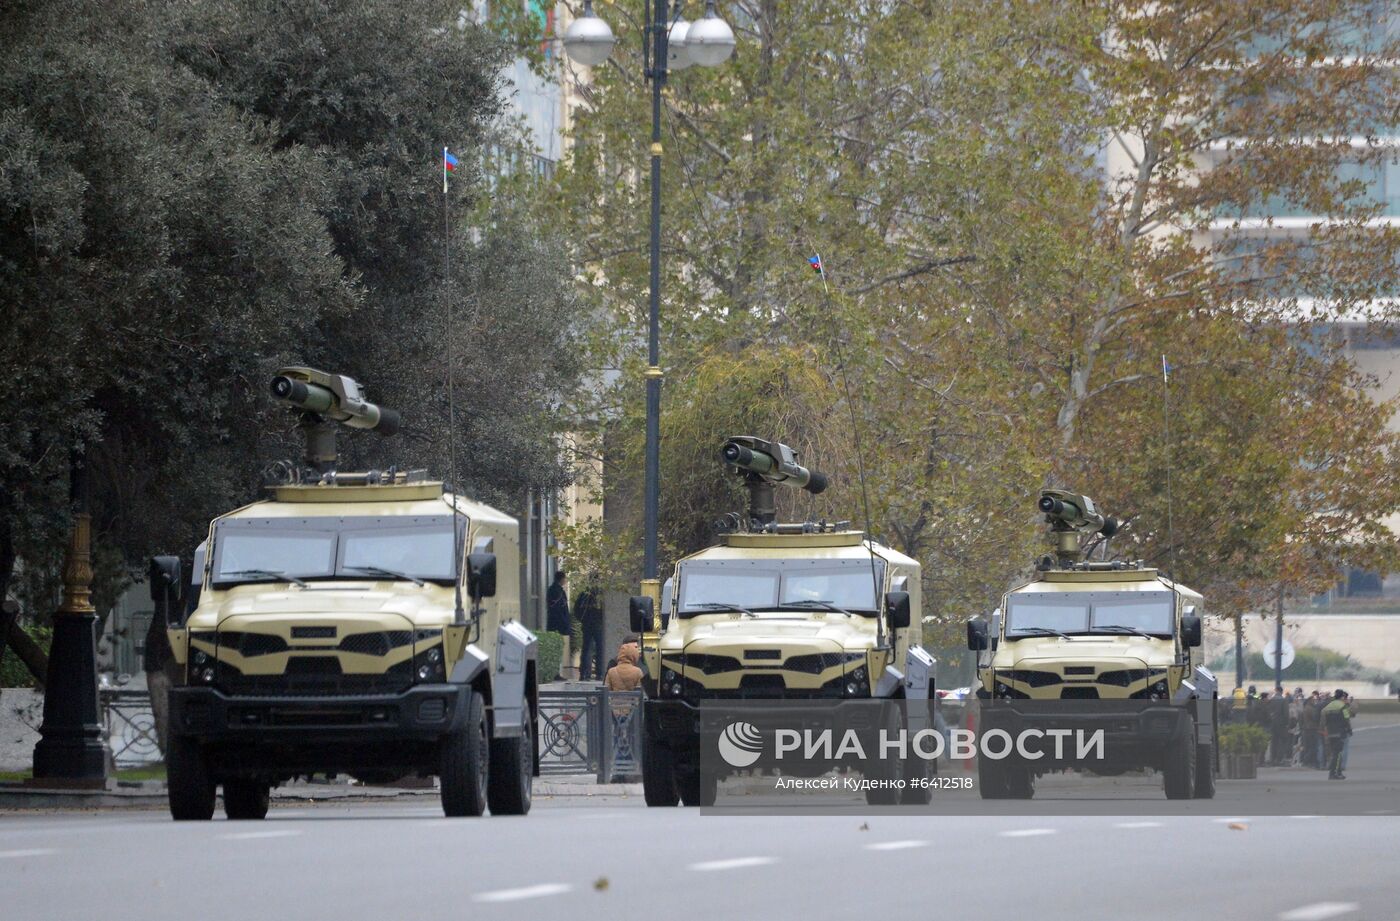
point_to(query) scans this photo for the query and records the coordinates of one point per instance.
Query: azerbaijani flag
(816, 263)
(449, 162)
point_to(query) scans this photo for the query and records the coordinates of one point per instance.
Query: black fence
(591, 731)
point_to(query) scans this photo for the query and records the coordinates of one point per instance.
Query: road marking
(1369, 728)
(250, 835)
(1318, 911)
(525, 892)
(1025, 832)
(1138, 825)
(895, 845)
(1228, 821)
(1305, 817)
(29, 852)
(733, 863)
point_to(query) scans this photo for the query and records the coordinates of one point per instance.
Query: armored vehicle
(1089, 646)
(327, 633)
(814, 615)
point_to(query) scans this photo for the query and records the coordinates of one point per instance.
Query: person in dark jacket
(557, 606)
(1336, 722)
(588, 608)
(1281, 746)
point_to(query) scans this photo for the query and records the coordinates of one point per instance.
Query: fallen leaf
(865, 826)
(1238, 826)
(600, 884)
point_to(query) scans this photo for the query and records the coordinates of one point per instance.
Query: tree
(1000, 293)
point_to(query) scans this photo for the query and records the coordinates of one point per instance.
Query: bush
(1241, 738)
(550, 652)
(13, 674)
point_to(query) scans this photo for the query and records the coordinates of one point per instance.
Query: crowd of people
(1311, 730)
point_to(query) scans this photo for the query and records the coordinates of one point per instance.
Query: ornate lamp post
(71, 750)
(668, 44)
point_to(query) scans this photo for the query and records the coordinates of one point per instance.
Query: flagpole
(1167, 432)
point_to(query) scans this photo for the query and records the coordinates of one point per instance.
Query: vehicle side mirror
(897, 609)
(977, 635)
(165, 577)
(1191, 629)
(641, 611)
(481, 575)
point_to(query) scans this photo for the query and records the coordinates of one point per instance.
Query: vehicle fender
(919, 695)
(472, 663)
(516, 647)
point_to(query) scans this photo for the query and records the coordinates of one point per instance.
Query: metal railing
(130, 726)
(594, 731)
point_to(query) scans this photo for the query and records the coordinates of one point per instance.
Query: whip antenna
(816, 263)
(459, 614)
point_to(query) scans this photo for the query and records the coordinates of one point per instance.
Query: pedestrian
(588, 609)
(557, 619)
(1281, 740)
(1308, 722)
(625, 675)
(1336, 722)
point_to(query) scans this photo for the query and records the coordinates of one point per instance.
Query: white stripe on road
(895, 845)
(29, 852)
(1025, 832)
(250, 835)
(1138, 825)
(1369, 728)
(1318, 911)
(1228, 821)
(526, 892)
(733, 863)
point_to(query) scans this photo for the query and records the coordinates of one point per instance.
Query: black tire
(1179, 772)
(696, 787)
(1205, 771)
(916, 774)
(1020, 781)
(466, 764)
(246, 799)
(991, 779)
(188, 783)
(512, 766)
(658, 773)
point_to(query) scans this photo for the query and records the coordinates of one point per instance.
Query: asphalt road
(610, 857)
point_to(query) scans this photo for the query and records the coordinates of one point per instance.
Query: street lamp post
(668, 44)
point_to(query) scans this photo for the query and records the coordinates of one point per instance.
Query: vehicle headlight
(431, 667)
(200, 657)
(206, 675)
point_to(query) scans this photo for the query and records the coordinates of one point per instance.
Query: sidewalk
(150, 794)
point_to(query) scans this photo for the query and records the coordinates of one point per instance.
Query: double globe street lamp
(668, 44)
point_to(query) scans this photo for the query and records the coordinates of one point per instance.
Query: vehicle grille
(375, 644)
(316, 676)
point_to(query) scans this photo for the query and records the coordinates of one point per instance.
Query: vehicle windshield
(292, 549)
(1091, 612)
(799, 585)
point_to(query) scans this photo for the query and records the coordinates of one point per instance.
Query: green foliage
(13, 673)
(196, 193)
(549, 655)
(1243, 738)
(1010, 205)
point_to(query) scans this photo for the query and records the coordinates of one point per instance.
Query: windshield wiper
(821, 603)
(1119, 628)
(266, 574)
(1041, 631)
(391, 573)
(722, 606)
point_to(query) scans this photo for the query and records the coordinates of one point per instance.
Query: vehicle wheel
(991, 779)
(187, 781)
(465, 764)
(917, 792)
(1205, 772)
(658, 773)
(512, 766)
(696, 787)
(246, 799)
(1020, 781)
(1179, 773)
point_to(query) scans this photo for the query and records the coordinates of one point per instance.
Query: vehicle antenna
(459, 614)
(817, 263)
(1167, 435)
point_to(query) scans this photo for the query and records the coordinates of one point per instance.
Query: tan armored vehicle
(1088, 646)
(808, 613)
(354, 623)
